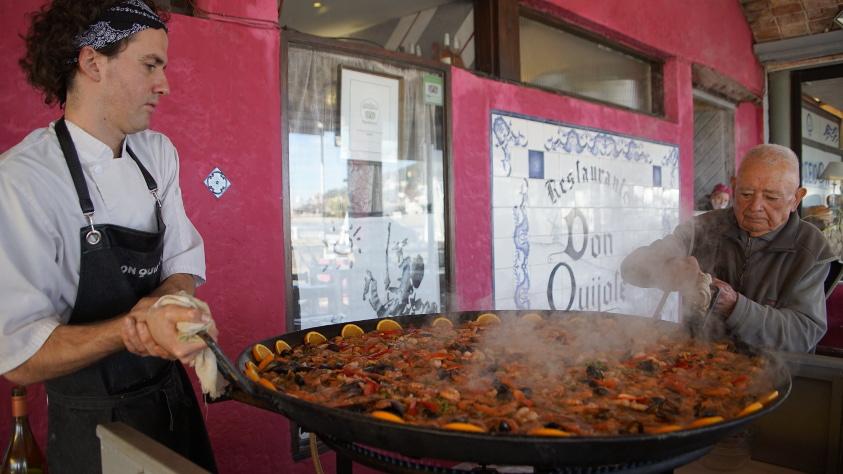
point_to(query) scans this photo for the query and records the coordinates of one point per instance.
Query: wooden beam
(496, 38)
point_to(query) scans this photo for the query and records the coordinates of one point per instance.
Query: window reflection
(367, 236)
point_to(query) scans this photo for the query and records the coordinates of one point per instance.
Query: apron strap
(150, 181)
(69, 151)
(72, 158)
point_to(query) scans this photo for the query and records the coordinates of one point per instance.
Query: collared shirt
(40, 218)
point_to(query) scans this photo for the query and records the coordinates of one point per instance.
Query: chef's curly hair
(51, 43)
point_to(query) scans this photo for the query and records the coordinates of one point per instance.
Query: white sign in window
(369, 115)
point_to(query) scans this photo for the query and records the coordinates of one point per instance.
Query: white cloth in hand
(205, 363)
(698, 297)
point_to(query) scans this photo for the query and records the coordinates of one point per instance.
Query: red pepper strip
(633, 398)
(379, 353)
(370, 387)
(519, 395)
(391, 332)
(439, 355)
(430, 406)
(608, 383)
(677, 387)
(740, 379)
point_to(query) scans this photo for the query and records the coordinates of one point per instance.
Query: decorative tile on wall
(568, 204)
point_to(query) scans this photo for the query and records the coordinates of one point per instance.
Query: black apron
(118, 267)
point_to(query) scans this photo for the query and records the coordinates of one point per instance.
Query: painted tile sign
(568, 204)
(820, 129)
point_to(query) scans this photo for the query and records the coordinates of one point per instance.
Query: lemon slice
(252, 371)
(266, 383)
(709, 420)
(662, 429)
(387, 416)
(442, 322)
(351, 330)
(260, 352)
(548, 432)
(751, 408)
(457, 426)
(314, 338)
(265, 362)
(388, 325)
(770, 397)
(486, 319)
(281, 347)
(531, 318)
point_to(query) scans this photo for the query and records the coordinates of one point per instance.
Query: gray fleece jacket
(778, 276)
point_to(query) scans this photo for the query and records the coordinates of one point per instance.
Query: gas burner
(398, 464)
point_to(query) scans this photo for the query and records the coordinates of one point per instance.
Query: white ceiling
(338, 18)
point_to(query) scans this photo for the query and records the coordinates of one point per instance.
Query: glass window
(556, 59)
(434, 29)
(714, 152)
(366, 188)
(822, 170)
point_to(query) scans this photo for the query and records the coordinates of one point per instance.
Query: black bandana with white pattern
(117, 23)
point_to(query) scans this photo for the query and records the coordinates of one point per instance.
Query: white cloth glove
(205, 363)
(699, 297)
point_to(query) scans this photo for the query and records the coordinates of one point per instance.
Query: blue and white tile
(507, 303)
(504, 223)
(520, 162)
(504, 282)
(506, 191)
(503, 253)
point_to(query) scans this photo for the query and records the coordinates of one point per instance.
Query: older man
(768, 264)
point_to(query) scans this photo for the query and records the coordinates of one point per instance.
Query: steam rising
(535, 352)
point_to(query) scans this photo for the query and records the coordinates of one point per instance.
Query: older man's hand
(727, 298)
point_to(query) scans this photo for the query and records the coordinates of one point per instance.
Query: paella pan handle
(224, 365)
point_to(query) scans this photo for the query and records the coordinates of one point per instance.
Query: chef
(94, 231)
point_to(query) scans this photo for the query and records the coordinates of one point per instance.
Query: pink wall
(474, 98)
(224, 111)
(670, 29)
(749, 129)
(712, 32)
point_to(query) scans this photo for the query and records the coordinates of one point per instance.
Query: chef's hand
(135, 334)
(679, 273)
(137, 339)
(727, 299)
(158, 326)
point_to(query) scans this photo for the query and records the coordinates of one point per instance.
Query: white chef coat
(40, 219)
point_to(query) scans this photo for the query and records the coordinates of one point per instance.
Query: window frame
(797, 77)
(292, 38)
(498, 38)
(656, 64)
